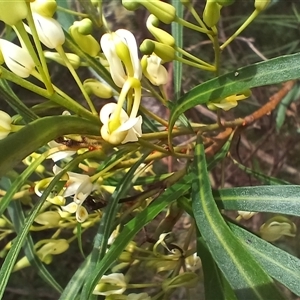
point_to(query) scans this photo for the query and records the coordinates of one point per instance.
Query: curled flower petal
(110, 42)
(111, 284)
(154, 71)
(135, 132)
(130, 41)
(81, 214)
(74, 181)
(130, 129)
(85, 188)
(116, 68)
(61, 154)
(70, 208)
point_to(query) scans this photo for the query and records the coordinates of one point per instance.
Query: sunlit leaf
(244, 274)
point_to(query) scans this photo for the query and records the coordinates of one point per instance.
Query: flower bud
(193, 263)
(162, 265)
(80, 32)
(276, 227)
(229, 102)
(5, 124)
(131, 4)
(165, 52)
(261, 4)
(74, 59)
(163, 11)
(211, 14)
(160, 35)
(17, 59)
(31, 158)
(85, 26)
(45, 8)
(97, 88)
(153, 70)
(2, 223)
(21, 264)
(187, 280)
(111, 284)
(147, 47)
(54, 247)
(185, 2)
(13, 11)
(225, 2)
(49, 31)
(57, 200)
(48, 218)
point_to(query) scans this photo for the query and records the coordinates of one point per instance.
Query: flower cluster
(77, 147)
(120, 50)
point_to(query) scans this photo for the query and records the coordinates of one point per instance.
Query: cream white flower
(246, 215)
(111, 284)
(74, 181)
(229, 102)
(45, 8)
(129, 129)
(81, 187)
(120, 49)
(49, 31)
(17, 59)
(61, 154)
(193, 262)
(277, 227)
(153, 70)
(5, 124)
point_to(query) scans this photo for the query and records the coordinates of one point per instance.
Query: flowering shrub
(106, 168)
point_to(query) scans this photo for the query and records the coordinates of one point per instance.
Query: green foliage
(153, 166)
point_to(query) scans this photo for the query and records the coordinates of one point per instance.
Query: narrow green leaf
(177, 30)
(216, 286)
(273, 71)
(72, 290)
(283, 105)
(13, 101)
(243, 273)
(18, 182)
(132, 228)
(69, 103)
(105, 227)
(279, 264)
(220, 155)
(260, 176)
(17, 216)
(13, 253)
(64, 19)
(283, 199)
(36, 134)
